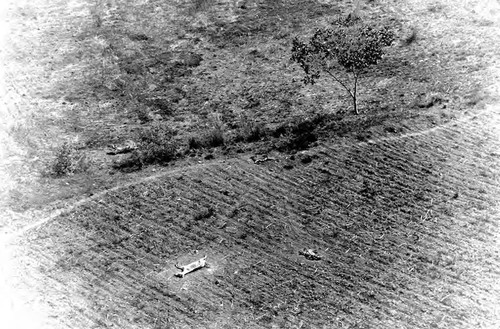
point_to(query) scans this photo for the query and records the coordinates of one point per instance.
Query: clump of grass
(194, 143)
(249, 131)
(204, 213)
(200, 5)
(157, 144)
(411, 37)
(68, 160)
(142, 114)
(212, 137)
(299, 134)
(215, 135)
(435, 7)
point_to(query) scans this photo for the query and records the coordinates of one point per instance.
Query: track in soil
(22, 230)
(407, 231)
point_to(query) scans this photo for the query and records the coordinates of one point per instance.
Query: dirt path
(58, 212)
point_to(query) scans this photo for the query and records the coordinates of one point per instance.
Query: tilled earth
(404, 231)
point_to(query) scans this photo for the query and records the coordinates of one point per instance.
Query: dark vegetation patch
(247, 77)
(151, 77)
(204, 213)
(69, 160)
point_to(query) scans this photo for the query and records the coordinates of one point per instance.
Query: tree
(350, 45)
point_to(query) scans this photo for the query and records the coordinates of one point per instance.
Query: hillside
(310, 216)
(405, 230)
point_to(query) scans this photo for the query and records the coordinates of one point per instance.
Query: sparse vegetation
(411, 37)
(200, 5)
(204, 213)
(214, 137)
(263, 173)
(249, 130)
(298, 134)
(68, 160)
(209, 137)
(157, 144)
(350, 44)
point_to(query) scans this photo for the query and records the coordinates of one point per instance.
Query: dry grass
(111, 79)
(394, 238)
(133, 66)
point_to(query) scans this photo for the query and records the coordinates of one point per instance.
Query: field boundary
(58, 212)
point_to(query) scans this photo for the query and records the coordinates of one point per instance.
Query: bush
(204, 213)
(299, 134)
(157, 144)
(214, 137)
(194, 143)
(410, 38)
(68, 161)
(211, 137)
(349, 45)
(249, 131)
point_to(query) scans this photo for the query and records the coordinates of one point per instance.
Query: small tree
(350, 45)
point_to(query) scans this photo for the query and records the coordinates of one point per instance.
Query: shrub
(410, 38)
(299, 134)
(68, 161)
(249, 131)
(142, 114)
(129, 164)
(204, 213)
(157, 144)
(213, 136)
(349, 45)
(194, 143)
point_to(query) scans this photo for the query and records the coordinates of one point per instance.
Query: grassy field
(237, 160)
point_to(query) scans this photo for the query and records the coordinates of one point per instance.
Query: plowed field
(406, 232)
